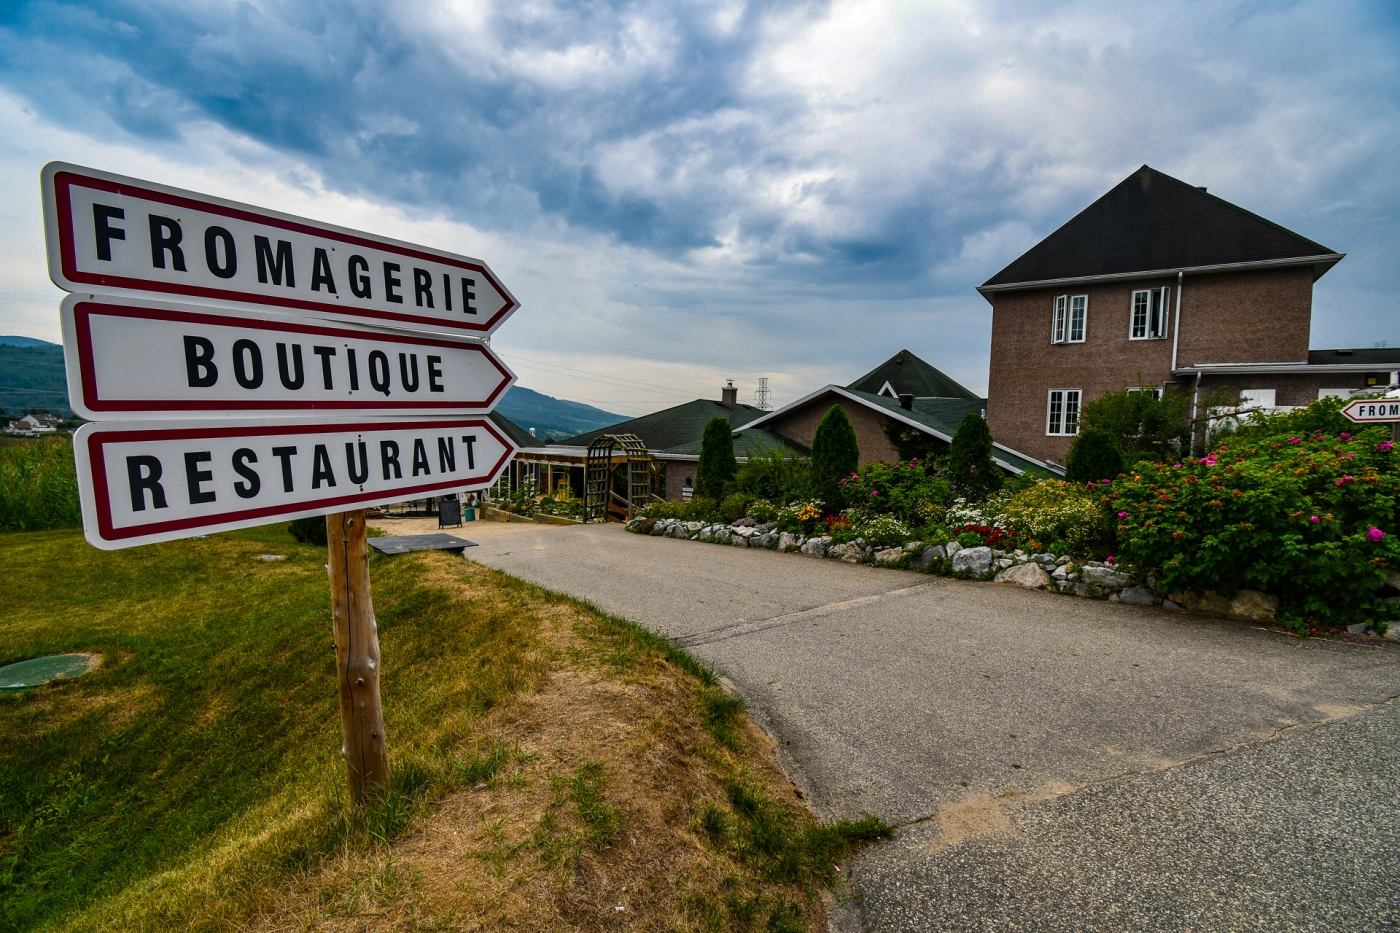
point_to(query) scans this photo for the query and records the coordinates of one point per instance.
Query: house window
(688, 489)
(1156, 391)
(1149, 316)
(1069, 319)
(1062, 412)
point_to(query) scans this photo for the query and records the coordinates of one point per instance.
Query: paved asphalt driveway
(1052, 763)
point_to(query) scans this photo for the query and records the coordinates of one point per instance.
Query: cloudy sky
(684, 192)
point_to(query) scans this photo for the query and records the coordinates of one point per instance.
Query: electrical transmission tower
(761, 396)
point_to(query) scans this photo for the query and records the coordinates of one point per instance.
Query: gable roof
(1151, 222)
(672, 427)
(515, 432)
(748, 441)
(936, 416)
(906, 373)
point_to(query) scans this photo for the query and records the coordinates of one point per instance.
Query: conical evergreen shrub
(717, 466)
(970, 465)
(835, 456)
(1093, 456)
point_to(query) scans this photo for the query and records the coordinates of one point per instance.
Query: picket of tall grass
(38, 486)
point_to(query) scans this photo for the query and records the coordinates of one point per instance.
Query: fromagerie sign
(111, 233)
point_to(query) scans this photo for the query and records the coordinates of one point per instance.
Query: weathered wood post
(356, 655)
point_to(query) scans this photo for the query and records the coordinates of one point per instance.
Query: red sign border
(66, 178)
(83, 310)
(1370, 401)
(97, 439)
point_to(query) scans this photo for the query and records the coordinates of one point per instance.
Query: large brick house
(1161, 284)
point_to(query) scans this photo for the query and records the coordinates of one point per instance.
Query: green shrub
(883, 531)
(903, 490)
(970, 466)
(733, 507)
(801, 517)
(698, 509)
(309, 530)
(835, 456)
(1094, 456)
(1055, 511)
(39, 486)
(717, 467)
(1324, 415)
(1312, 519)
(774, 475)
(762, 511)
(1141, 424)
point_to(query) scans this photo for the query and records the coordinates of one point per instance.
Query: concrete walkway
(1053, 763)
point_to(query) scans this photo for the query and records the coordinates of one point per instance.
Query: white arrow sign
(131, 358)
(144, 482)
(1368, 410)
(112, 233)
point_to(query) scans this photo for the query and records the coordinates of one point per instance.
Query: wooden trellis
(600, 502)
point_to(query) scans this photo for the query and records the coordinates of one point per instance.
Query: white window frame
(1068, 312)
(1059, 422)
(1155, 310)
(1155, 390)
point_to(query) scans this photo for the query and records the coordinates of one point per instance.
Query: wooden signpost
(268, 367)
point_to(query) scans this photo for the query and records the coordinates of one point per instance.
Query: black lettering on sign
(447, 291)
(325, 353)
(247, 364)
(469, 440)
(410, 385)
(165, 238)
(389, 457)
(195, 477)
(468, 296)
(359, 277)
(379, 371)
(420, 458)
(212, 238)
(241, 458)
(143, 475)
(447, 455)
(285, 454)
(435, 374)
(199, 362)
(391, 282)
(354, 370)
(102, 215)
(361, 474)
(423, 287)
(280, 266)
(321, 272)
(321, 468)
(290, 380)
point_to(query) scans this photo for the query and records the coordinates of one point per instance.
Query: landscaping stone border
(1053, 573)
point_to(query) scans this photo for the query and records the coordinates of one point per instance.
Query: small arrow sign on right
(1372, 410)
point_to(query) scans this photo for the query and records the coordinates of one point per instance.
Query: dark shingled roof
(749, 441)
(907, 374)
(1152, 222)
(672, 427)
(1384, 357)
(514, 431)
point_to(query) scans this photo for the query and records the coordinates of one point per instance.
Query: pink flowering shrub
(1311, 519)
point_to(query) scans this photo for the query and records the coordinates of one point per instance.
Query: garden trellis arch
(598, 467)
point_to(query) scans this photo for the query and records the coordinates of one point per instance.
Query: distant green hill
(32, 377)
(552, 418)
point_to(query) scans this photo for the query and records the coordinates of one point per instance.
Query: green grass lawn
(193, 779)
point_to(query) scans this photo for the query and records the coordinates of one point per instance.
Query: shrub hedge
(1311, 518)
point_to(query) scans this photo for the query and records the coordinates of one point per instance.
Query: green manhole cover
(38, 671)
